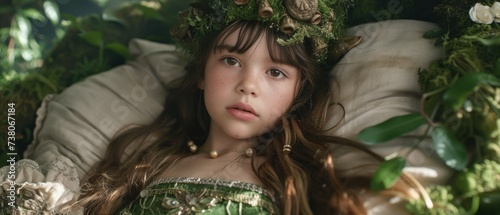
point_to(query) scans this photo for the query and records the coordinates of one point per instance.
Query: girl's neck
(224, 144)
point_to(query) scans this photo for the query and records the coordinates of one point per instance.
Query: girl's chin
(238, 136)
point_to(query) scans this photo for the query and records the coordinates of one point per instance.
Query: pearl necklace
(214, 153)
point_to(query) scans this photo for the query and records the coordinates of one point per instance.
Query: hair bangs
(294, 55)
(250, 32)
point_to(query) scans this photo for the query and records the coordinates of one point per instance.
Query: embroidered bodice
(199, 195)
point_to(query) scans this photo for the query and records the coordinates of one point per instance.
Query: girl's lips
(241, 114)
(242, 111)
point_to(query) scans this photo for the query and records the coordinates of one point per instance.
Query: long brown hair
(303, 181)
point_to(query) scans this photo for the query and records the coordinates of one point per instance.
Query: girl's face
(246, 93)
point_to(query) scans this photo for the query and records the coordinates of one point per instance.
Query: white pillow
(80, 121)
(378, 80)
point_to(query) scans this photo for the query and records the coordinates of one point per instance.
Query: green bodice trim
(202, 196)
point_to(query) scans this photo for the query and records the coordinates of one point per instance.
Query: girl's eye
(230, 61)
(276, 73)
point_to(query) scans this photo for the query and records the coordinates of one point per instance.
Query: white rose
(495, 10)
(481, 14)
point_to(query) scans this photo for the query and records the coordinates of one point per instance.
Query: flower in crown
(319, 20)
(495, 10)
(485, 14)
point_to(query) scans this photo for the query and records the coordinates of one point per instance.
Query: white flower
(495, 11)
(481, 14)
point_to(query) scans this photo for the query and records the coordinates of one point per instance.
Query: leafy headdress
(320, 20)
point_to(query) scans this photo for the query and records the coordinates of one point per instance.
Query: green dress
(202, 196)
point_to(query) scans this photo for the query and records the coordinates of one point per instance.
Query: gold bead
(287, 149)
(192, 147)
(214, 154)
(249, 152)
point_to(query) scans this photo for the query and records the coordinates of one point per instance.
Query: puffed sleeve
(28, 188)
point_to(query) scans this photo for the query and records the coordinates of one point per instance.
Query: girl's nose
(248, 83)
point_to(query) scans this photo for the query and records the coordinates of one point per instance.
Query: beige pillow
(377, 80)
(80, 121)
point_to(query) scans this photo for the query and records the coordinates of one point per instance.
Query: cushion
(377, 80)
(80, 122)
(374, 81)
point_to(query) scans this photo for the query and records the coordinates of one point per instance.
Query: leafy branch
(460, 103)
(21, 47)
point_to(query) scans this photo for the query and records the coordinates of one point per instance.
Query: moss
(462, 55)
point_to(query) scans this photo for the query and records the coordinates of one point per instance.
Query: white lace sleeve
(27, 188)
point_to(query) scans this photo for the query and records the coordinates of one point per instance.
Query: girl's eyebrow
(231, 48)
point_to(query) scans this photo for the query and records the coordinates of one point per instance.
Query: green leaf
(439, 41)
(23, 24)
(434, 33)
(119, 49)
(391, 128)
(32, 14)
(457, 93)
(150, 12)
(60, 33)
(72, 19)
(387, 174)
(93, 38)
(111, 17)
(449, 149)
(27, 54)
(101, 3)
(52, 11)
(24, 27)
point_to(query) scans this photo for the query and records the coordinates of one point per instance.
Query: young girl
(243, 132)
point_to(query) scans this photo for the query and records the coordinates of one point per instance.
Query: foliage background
(82, 46)
(79, 45)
